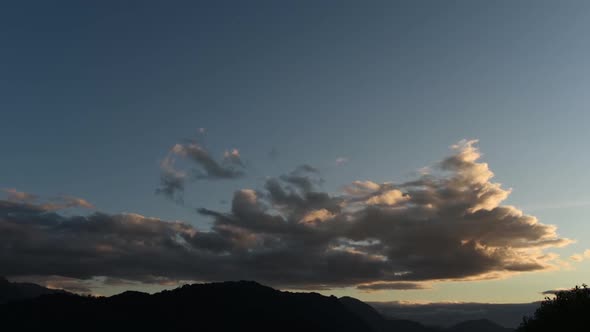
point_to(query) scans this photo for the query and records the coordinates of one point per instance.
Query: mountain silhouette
(14, 291)
(224, 306)
(450, 314)
(379, 323)
(227, 306)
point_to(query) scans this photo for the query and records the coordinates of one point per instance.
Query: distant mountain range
(450, 314)
(226, 306)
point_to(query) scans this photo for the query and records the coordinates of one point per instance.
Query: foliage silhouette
(567, 311)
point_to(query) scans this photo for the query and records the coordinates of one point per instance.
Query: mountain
(450, 314)
(227, 306)
(379, 323)
(479, 325)
(14, 291)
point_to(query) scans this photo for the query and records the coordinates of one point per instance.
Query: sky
(355, 148)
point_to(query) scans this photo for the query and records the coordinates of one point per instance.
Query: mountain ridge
(222, 306)
(16, 291)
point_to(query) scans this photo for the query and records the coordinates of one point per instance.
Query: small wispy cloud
(15, 195)
(341, 161)
(553, 291)
(379, 286)
(51, 204)
(581, 256)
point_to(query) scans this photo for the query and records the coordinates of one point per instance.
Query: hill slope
(379, 323)
(228, 306)
(15, 291)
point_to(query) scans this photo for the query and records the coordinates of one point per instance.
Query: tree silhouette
(567, 311)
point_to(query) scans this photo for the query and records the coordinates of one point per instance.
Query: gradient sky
(94, 96)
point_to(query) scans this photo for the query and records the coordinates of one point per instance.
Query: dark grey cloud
(553, 291)
(449, 225)
(172, 185)
(305, 168)
(376, 286)
(304, 178)
(173, 180)
(209, 168)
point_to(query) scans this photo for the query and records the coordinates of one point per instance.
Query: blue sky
(94, 96)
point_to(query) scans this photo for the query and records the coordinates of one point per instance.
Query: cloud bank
(445, 225)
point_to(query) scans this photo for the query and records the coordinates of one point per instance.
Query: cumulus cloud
(316, 216)
(389, 197)
(448, 224)
(173, 180)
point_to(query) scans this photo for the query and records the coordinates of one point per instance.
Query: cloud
(446, 225)
(173, 180)
(581, 256)
(316, 216)
(208, 168)
(362, 187)
(233, 157)
(15, 195)
(303, 177)
(389, 197)
(53, 204)
(553, 291)
(341, 161)
(65, 202)
(377, 286)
